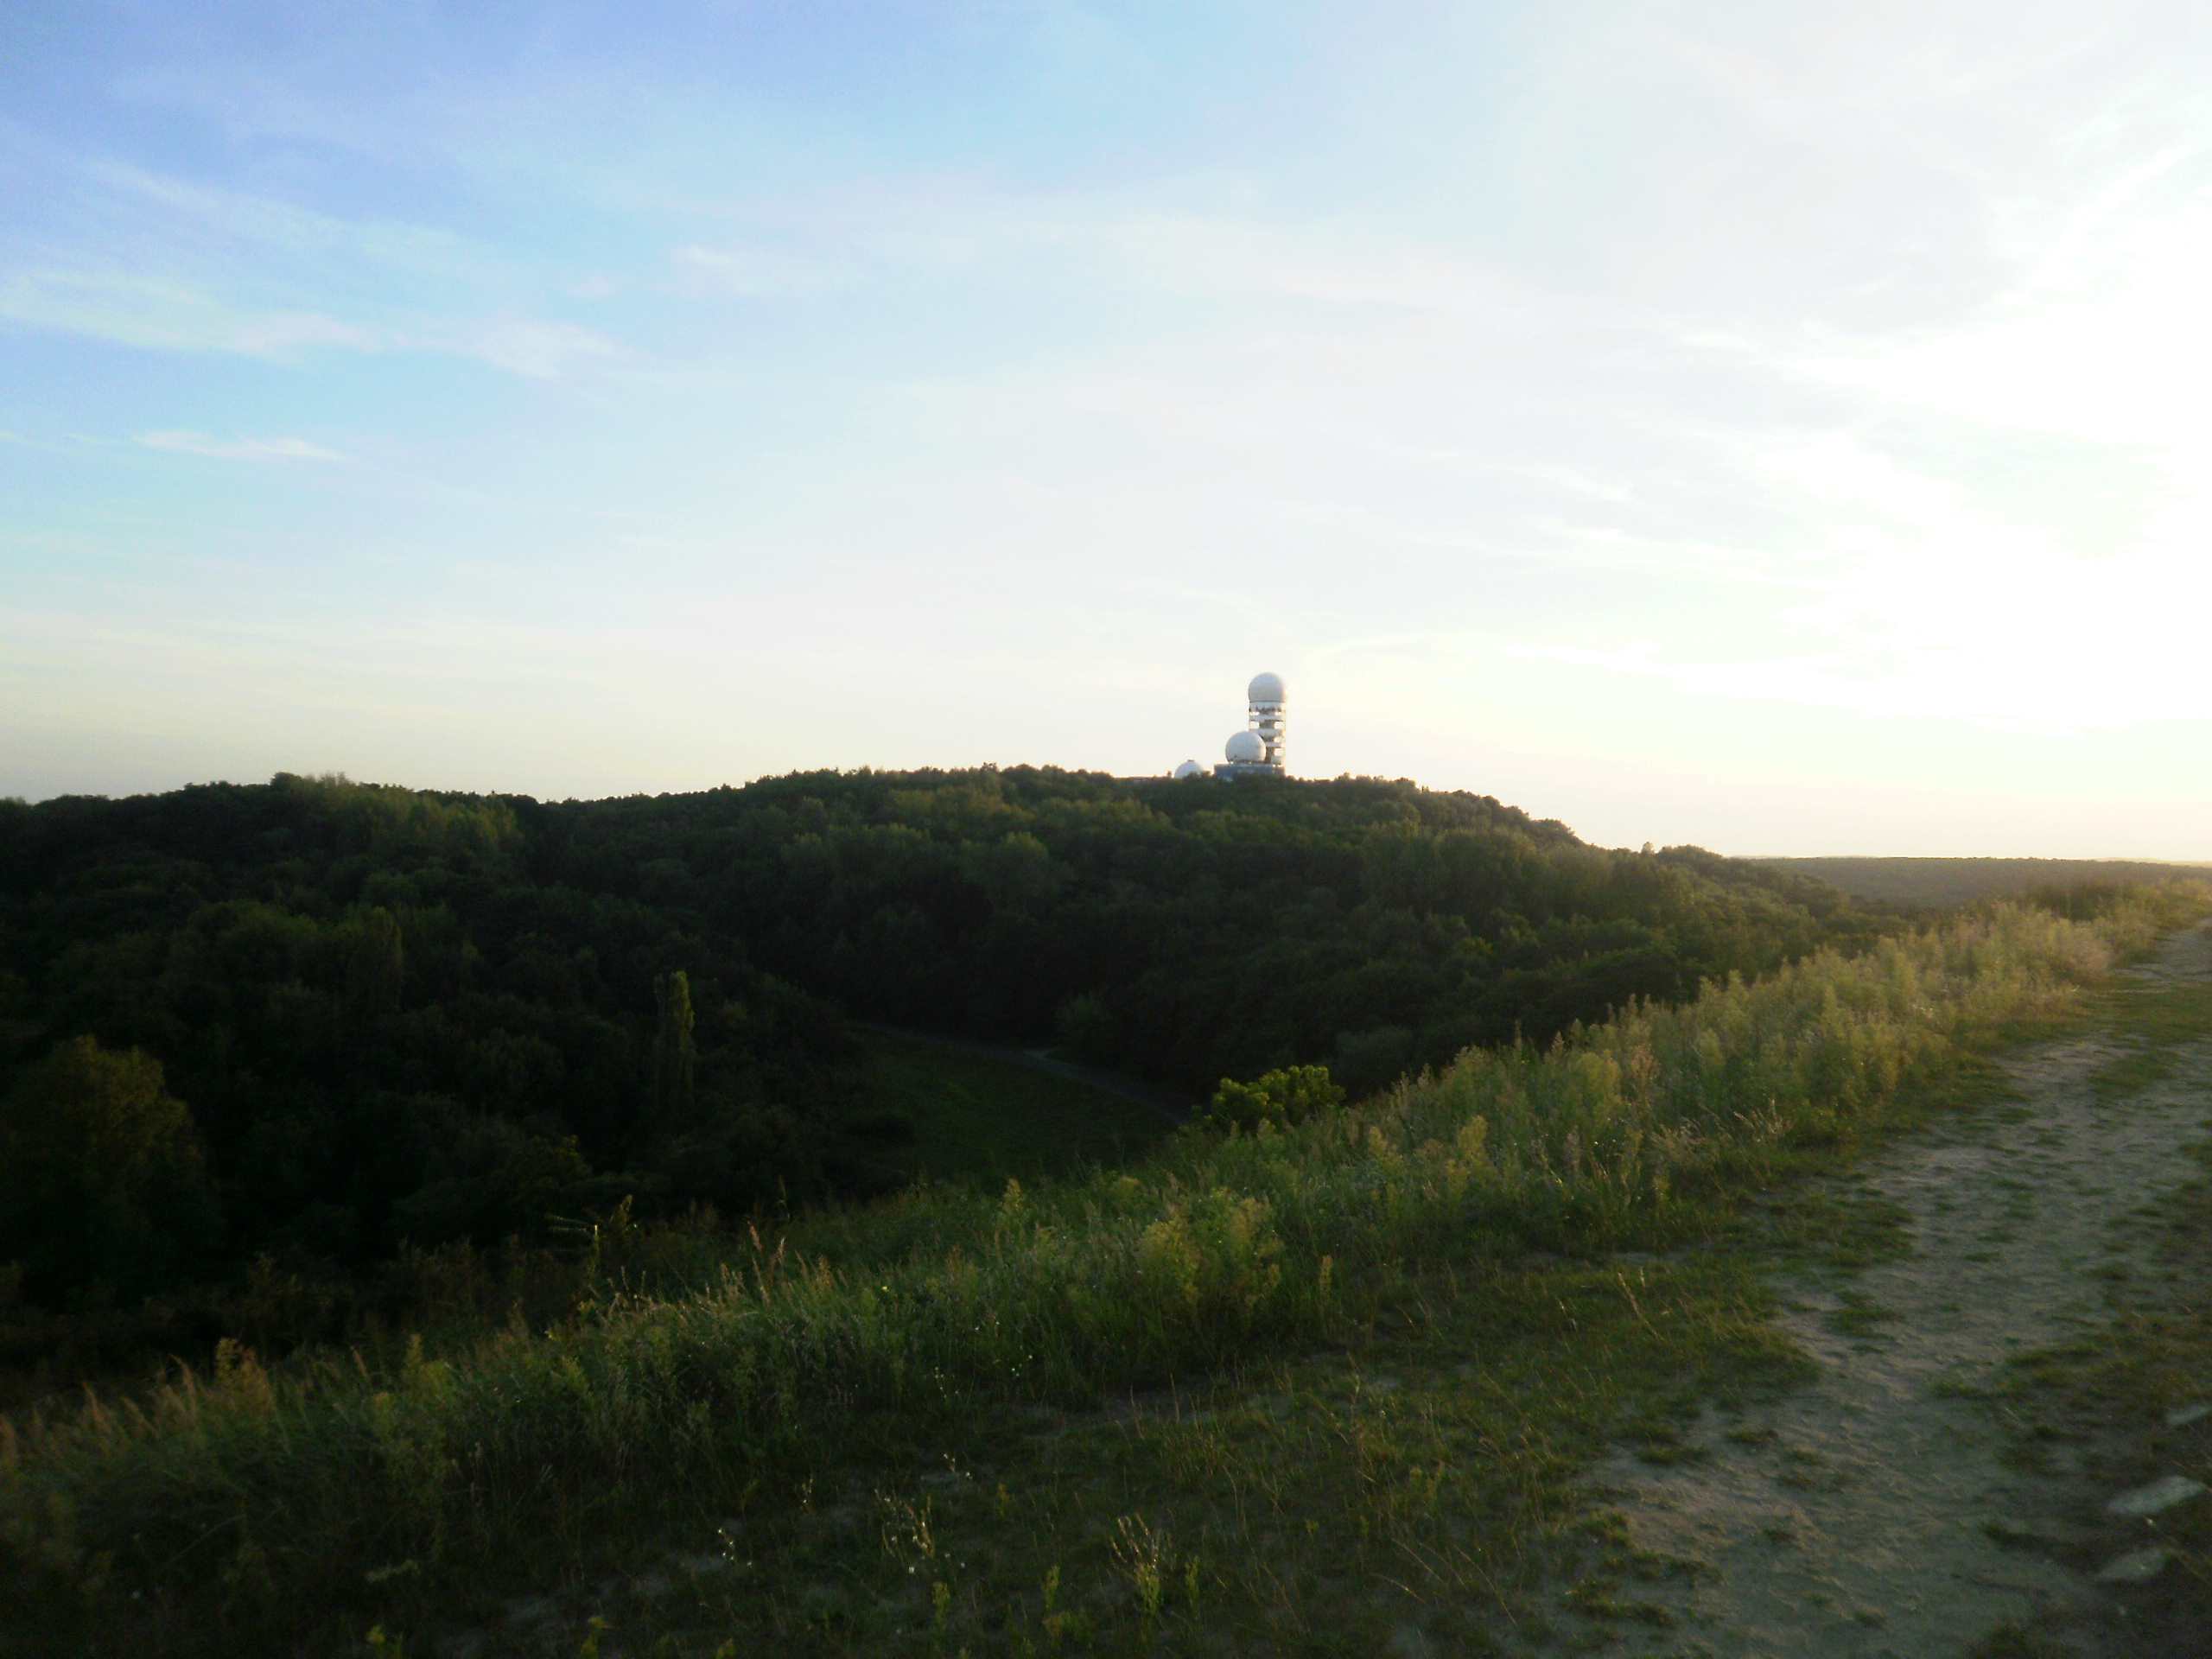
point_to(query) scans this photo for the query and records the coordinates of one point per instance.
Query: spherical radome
(1245, 748)
(1265, 688)
(1189, 769)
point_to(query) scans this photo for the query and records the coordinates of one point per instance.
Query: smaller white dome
(1189, 769)
(1265, 688)
(1245, 748)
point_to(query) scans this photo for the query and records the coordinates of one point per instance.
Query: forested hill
(1187, 930)
(317, 1018)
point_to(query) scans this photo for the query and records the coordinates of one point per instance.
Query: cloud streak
(254, 449)
(156, 314)
(146, 259)
(763, 273)
(153, 313)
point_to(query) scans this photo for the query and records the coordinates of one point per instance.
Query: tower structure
(1262, 749)
(1270, 716)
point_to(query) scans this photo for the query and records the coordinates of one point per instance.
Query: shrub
(1282, 1097)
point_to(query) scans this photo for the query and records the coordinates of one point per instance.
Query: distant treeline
(310, 1019)
(1944, 883)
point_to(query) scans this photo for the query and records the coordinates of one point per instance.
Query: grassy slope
(977, 1117)
(1357, 1365)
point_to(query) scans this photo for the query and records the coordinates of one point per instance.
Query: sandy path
(1870, 1514)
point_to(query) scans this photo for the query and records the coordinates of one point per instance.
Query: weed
(1145, 1559)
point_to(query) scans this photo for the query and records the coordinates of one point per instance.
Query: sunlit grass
(248, 1506)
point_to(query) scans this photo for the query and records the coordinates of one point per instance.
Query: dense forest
(316, 1021)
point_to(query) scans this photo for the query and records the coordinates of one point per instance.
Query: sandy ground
(1870, 1515)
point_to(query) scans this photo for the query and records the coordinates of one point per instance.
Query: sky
(1778, 428)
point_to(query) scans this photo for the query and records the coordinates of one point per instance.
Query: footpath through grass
(1357, 1361)
(2132, 1403)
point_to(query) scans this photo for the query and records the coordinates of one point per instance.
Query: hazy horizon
(1729, 851)
(1697, 424)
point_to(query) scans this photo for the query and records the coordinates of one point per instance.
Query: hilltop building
(1262, 748)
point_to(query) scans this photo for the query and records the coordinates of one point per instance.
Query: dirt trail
(1872, 1513)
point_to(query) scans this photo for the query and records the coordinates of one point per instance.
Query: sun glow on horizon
(1723, 425)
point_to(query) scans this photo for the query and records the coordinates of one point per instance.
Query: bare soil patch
(1883, 1509)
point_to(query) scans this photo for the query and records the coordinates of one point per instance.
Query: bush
(1281, 1098)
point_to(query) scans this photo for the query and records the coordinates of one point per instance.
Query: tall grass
(245, 1501)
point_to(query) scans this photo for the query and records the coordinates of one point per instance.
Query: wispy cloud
(199, 443)
(272, 223)
(763, 273)
(158, 314)
(539, 351)
(158, 262)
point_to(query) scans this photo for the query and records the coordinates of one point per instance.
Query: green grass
(973, 1115)
(1858, 1316)
(1283, 1391)
(2132, 1073)
(2154, 1021)
(1313, 1504)
(1836, 1228)
(2156, 1013)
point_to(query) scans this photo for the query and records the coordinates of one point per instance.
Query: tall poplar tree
(675, 1058)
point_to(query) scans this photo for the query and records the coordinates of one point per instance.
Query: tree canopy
(357, 1015)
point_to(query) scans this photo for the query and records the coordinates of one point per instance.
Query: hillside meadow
(254, 1507)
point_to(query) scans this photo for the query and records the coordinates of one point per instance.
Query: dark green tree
(100, 1171)
(675, 1058)
(375, 967)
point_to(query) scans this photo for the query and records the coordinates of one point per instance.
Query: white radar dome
(1189, 769)
(1265, 688)
(1246, 749)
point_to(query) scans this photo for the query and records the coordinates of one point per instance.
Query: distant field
(1939, 883)
(972, 1114)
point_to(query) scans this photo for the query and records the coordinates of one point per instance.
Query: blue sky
(1779, 427)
